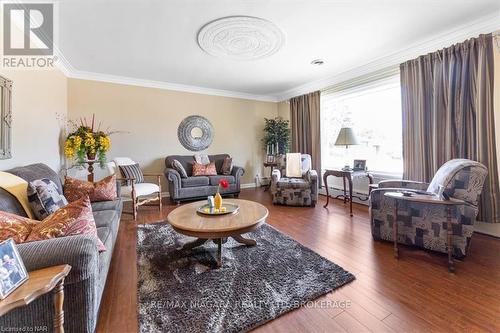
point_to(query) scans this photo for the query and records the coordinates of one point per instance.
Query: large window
(373, 110)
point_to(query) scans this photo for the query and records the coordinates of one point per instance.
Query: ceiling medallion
(241, 38)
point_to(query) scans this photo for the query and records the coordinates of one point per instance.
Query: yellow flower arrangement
(85, 143)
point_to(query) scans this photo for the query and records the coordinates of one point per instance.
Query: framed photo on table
(359, 165)
(12, 270)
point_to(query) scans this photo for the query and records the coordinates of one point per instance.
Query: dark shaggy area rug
(181, 291)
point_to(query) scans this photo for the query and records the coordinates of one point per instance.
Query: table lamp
(346, 138)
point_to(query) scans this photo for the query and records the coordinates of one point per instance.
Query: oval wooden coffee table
(187, 221)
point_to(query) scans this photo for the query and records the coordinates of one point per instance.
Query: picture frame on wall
(12, 270)
(359, 165)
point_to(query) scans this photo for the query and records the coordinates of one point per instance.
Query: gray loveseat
(201, 186)
(84, 285)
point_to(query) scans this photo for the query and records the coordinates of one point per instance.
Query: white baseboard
(491, 229)
(248, 185)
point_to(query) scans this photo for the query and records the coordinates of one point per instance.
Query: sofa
(198, 187)
(292, 191)
(425, 225)
(83, 287)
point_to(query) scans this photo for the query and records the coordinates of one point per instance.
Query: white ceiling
(155, 40)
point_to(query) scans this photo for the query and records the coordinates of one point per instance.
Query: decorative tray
(227, 208)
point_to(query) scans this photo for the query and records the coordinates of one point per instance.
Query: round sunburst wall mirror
(195, 133)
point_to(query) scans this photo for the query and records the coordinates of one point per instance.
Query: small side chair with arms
(133, 185)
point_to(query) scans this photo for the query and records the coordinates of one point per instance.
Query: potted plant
(276, 136)
(86, 144)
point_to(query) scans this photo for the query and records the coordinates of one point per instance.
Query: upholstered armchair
(295, 191)
(139, 192)
(425, 225)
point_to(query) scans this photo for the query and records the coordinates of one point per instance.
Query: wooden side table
(431, 200)
(348, 175)
(40, 282)
(271, 165)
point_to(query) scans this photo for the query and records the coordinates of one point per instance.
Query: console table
(271, 165)
(348, 175)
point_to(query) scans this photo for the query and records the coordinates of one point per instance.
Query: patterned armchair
(295, 191)
(425, 225)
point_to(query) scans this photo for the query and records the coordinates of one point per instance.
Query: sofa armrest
(237, 172)
(80, 252)
(173, 176)
(403, 184)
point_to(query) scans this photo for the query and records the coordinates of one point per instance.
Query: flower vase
(218, 201)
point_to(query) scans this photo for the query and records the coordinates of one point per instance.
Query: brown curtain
(447, 101)
(305, 121)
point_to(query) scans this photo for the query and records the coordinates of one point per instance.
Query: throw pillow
(14, 226)
(74, 219)
(204, 170)
(102, 190)
(44, 198)
(132, 171)
(227, 166)
(176, 165)
(201, 159)
(293, 165)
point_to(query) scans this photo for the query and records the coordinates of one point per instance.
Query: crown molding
(486, 24)
(64, 65)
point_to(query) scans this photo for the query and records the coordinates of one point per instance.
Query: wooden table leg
(219, 252)
(58, 306)
(449, 245)
(325, 176)
(395, 231)
(245, 241)
(350, 194)
(345, 193)
(193, 244)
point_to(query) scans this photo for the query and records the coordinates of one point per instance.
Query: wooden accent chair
(139, 193)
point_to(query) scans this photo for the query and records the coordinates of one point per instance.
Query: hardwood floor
(414, 293)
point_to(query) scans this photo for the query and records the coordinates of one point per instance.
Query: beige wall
(284, 110)
(151, 116)
(38, 97)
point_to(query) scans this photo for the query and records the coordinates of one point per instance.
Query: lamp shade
(346, 137)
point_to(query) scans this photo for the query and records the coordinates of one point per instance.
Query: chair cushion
(214, 180)
(132, 171)
(195, 181)
(103, 218)
(44, 197)
(140, 189)
(106, 205)
(295, 183)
